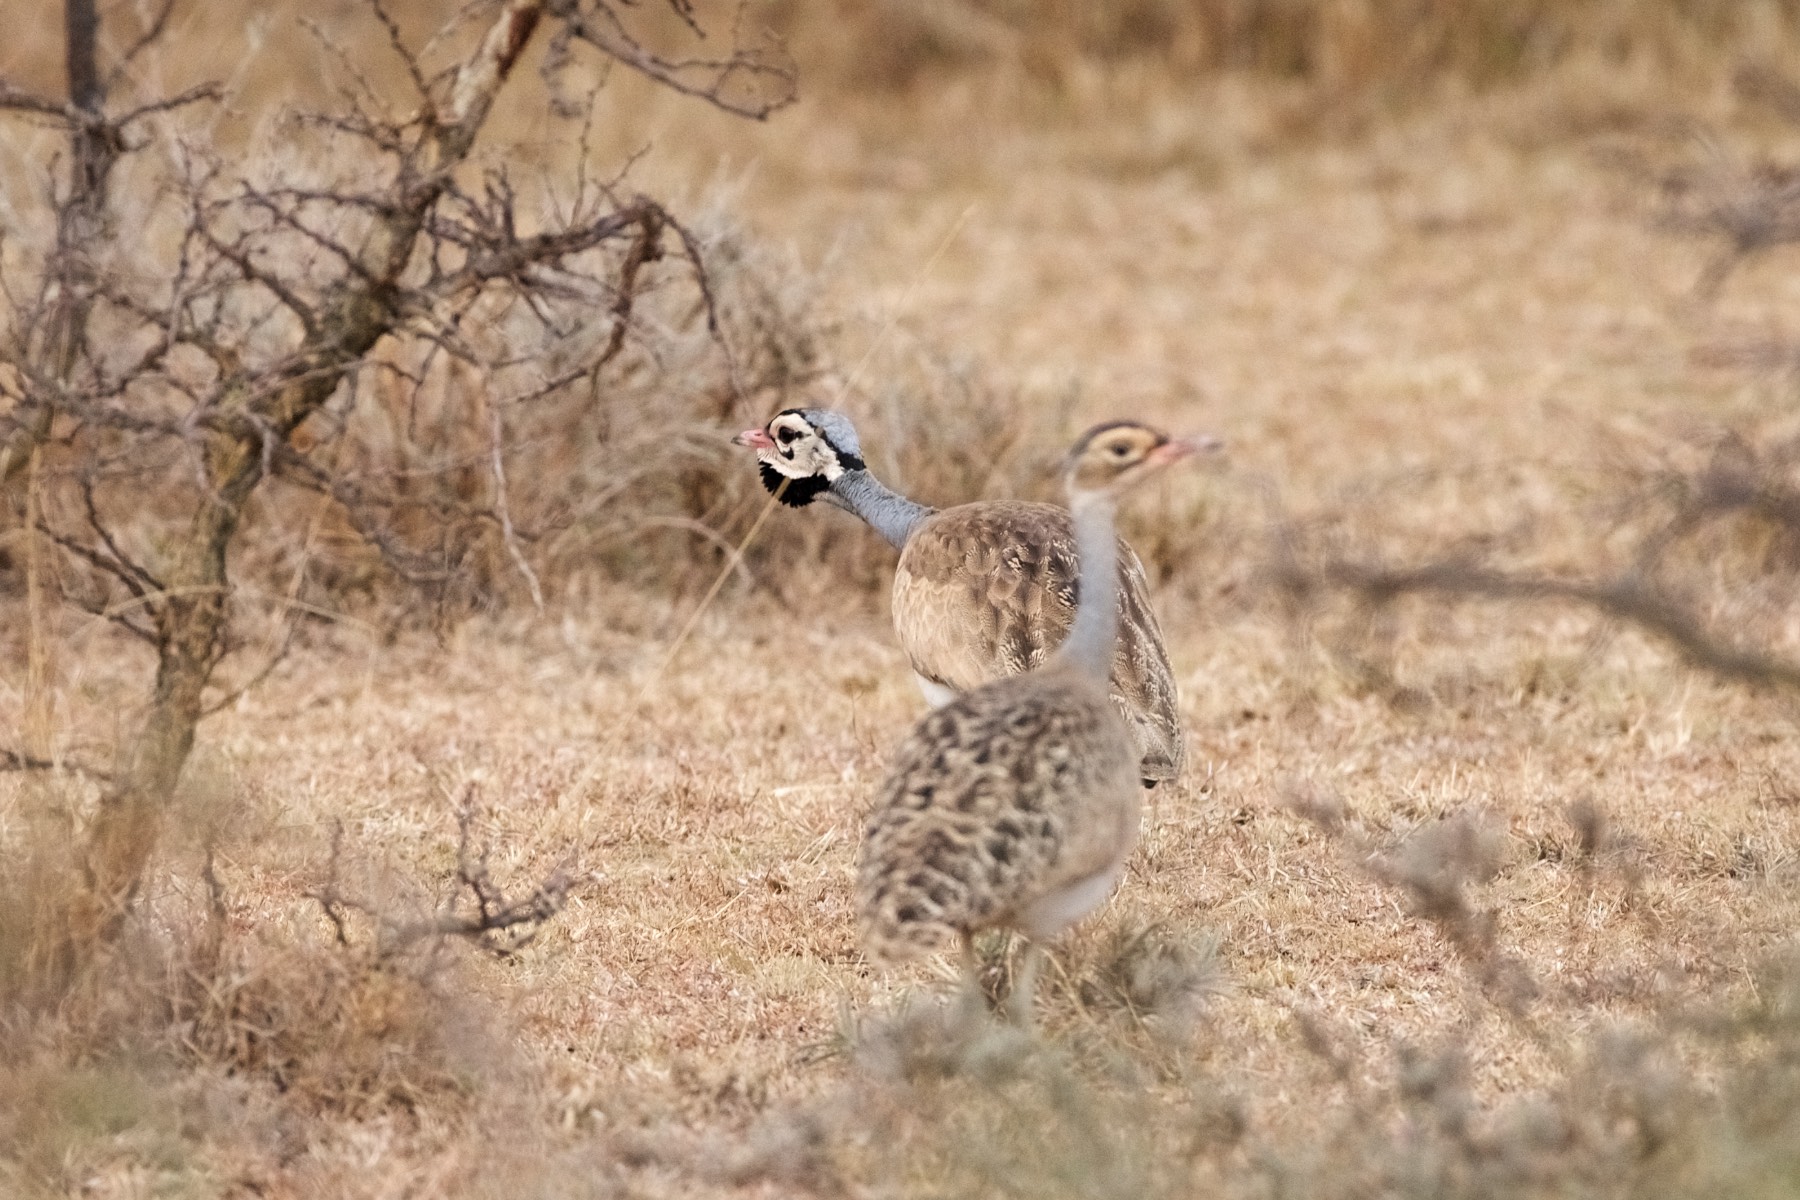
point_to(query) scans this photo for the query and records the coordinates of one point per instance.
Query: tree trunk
(191, 624)
(191, 615)
(80, 223)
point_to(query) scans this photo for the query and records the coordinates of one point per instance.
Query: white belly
(1050, 915)
(936, 694)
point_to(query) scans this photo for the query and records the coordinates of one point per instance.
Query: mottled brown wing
(1007, 793)
(987, 590)
(1143, 683)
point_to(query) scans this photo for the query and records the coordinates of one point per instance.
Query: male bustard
(983, 590)
(1015, 804)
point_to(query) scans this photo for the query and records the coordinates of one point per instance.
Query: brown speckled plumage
(1016, 804)
(983, 590)
(987, 590)
(1010, 793)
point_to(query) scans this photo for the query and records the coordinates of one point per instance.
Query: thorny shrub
(352, 1003)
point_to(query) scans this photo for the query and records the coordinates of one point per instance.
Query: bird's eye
(786, 434)
(1120, 450)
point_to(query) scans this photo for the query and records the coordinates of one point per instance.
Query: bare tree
(175, 372)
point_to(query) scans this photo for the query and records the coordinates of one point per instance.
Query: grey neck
(888, 513)
(1089, 646)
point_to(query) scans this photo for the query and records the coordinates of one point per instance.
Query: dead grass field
(1455, 323)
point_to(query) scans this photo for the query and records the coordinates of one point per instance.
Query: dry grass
(1349, 50)
(1521, 934)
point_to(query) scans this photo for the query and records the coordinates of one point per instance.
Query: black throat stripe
(799, 493)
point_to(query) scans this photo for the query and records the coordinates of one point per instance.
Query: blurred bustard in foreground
(1016, 803)
(983, 590)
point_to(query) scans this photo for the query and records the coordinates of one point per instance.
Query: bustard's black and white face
(809, 448)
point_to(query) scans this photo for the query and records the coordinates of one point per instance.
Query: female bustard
(983, 590)
(1016, 804)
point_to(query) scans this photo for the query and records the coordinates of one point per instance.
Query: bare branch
(99, 561)
(506, 525)
(479, 79)
(255, 680)
(645, 249)
(268, 280)
(477, 910)
(1749, 207)
(18, 100)
(1629, 599)
(402, 51)
(703, 281)
(12, 760)
(327, 895)
(1656, 527)
(356, 505)
(749, 82)
(159, 24)
(508, 258)
(94, 558)
(193, 95)
(130, 571)
(288, 220)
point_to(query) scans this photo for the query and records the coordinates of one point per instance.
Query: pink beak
(756, 439)
(1176, 449)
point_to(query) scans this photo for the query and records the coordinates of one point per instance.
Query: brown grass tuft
(1153, 974)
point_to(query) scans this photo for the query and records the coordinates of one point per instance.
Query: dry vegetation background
(1484, 879)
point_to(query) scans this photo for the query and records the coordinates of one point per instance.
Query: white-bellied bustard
(1015, 804)
(983, 590)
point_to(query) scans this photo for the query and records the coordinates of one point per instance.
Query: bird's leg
(973, 997)
(1019, 1003)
